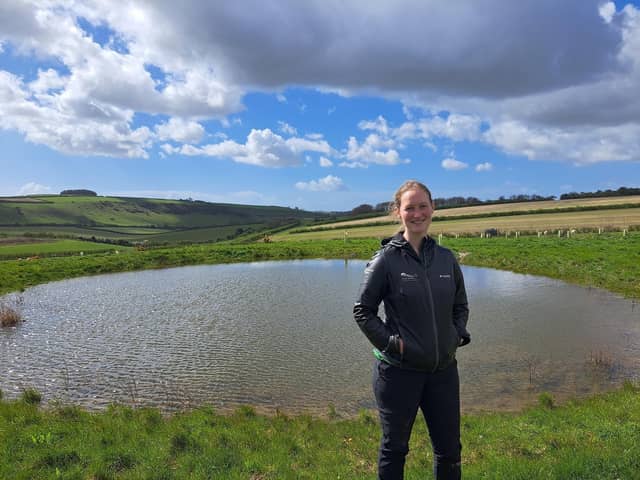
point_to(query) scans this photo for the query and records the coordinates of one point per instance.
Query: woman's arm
(365, 311)
(460, 307)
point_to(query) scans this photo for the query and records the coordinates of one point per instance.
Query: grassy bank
(19, 274)
(608, 261)
(597, 439)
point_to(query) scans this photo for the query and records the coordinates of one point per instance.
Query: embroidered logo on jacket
(409, 276)
(445, 275)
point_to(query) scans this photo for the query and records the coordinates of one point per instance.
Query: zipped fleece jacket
(425, 304)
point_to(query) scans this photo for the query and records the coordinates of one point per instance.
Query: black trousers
(399, 393)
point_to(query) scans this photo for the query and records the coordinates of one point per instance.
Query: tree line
(453, 202)
(622, 191)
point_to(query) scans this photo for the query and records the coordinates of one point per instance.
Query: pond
(280, 335)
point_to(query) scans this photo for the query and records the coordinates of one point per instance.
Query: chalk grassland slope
(616, 219)
(117, 217)
(502, 208)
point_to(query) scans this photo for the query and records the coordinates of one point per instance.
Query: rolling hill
(135, 219)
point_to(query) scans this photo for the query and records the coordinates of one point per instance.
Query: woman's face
(415, 211)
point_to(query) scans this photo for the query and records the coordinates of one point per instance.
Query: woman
(426, 313)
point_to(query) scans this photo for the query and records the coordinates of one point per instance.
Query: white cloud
(484, 167)
(48, 80)
(379, 125)
(375, 149)
(325, 162)
(453, 164)
(33, 188)
(599, 144)
(607, 11)
(455, 127)
(330, 183)
(353, 165)
(99, 130)
(180, 130)
(578, 80)
(262, 148)
(287, 129)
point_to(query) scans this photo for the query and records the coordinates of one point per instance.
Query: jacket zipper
(421, 259)
(433, 313)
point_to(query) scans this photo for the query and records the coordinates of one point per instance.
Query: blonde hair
(394, 205)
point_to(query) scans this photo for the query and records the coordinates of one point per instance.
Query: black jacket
(425, 304)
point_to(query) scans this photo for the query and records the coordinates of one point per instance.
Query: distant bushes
(622, 191)
(79, 193)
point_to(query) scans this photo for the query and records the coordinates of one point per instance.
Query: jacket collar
(399, 241)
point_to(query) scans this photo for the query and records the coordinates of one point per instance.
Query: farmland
(140, 219)
(591, 220)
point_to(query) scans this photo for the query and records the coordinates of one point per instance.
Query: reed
(9, 317)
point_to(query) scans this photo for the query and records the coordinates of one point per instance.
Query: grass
(17, 275)
(56, 247)
(609, 261)
(9, 317)
(592, 439)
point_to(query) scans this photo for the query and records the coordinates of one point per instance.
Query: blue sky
(319, 105)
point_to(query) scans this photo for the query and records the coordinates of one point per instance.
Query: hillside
(141, 218)
(611, 213)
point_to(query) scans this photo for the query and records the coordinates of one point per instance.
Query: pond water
(281, 335)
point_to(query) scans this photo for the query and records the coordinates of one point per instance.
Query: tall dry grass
(9, 316)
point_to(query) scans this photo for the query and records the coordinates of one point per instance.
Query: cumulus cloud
(453, 164)
(262, 148)
(100, 130)
(33, 188)
(599, 144)
(287, 129)
(607, 10)
(330, 183)
(374, 150)
(484, 167)
(325, 162)
(571, 69)
(180, 130)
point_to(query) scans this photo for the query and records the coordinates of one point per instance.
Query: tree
(360, 209)
(79, 193)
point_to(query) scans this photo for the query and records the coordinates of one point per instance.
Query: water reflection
(281, 335)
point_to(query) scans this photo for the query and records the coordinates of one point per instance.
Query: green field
(610, 261)
(591, 439)
(57, 247)
(138, 219)
(616, 219)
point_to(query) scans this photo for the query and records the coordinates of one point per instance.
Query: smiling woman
(426, 313)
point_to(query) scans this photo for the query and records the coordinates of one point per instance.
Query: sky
(321, 104)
